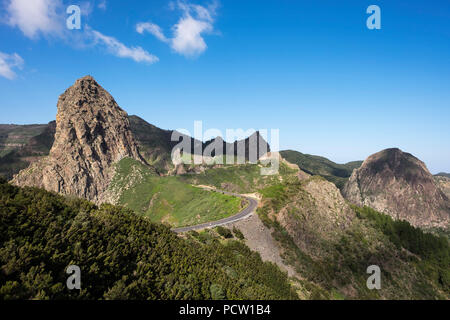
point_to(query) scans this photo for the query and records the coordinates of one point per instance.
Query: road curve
(212, 224)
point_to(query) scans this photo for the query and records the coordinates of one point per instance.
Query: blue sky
(311, 69)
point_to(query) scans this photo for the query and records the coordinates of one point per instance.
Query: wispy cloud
(8, 62)
(47, 17)
(118, 49)
(153, 29)
(187, 38)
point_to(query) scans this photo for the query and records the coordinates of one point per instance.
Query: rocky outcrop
(92, 133)
(315, 212)
(444, 184)
(399, 184)
(156, 146)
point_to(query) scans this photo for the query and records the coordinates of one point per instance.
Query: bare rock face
(399, 184)
(444, 184)
(92, 133)
(317, 212)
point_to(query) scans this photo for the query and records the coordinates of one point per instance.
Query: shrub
(224, 232)
(238, 233)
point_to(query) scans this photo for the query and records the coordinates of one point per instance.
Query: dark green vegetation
(245, 178)
(440, 232)
(126, 255)
(238, 233)
(224, 232)
(19, 145)
(333, 259)
(168, 198)
(443, 174)
(121, 255)
(316, 165)
(433, 251)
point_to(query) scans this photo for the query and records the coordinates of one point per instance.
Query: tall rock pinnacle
(92, 133)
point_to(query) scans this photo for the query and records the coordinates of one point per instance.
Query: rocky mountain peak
(399, 184)
(92, 133)
(395, 162)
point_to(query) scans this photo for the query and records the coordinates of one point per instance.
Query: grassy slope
(316, 165)
(333, 261)
(121, 255)
(239, 178)
(169, 199)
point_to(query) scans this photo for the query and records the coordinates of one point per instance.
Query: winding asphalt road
(241, 215)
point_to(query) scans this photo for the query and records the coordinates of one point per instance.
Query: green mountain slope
(330, 244)
(121, 255)
(14, 136)
(154, 143)
(244, 178)
(316, 165)
(21, 145)
(443, 174)
(168, 199)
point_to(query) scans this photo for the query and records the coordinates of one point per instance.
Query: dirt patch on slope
(259, 238)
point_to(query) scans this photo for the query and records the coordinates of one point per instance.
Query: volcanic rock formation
(399, 184)
(92, 133)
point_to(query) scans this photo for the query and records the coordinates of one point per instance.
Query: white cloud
(151, 28)
(188, 31)
(201, 12)
(118, 49)
(8, 62)
(187, 36)
(47, 17)
(36, 16)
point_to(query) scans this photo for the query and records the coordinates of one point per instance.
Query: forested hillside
(121, 255)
